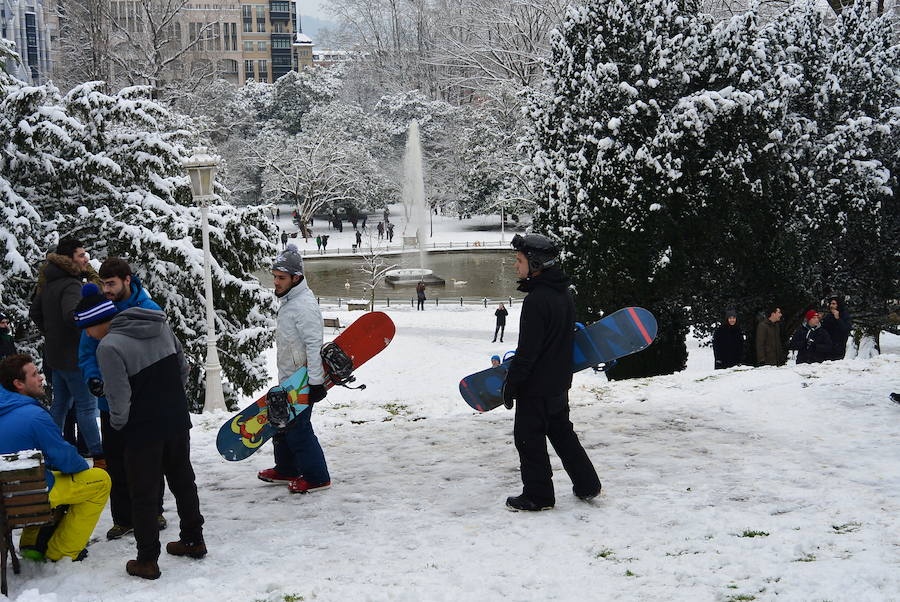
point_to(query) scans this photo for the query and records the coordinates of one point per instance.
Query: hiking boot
(270, 475)
(118, 531)
(162, 522)
(588, 497)
(895, 397)
(99, 462)
(522, 503)
(145, 569)
(81, 555)
(301, 485)
(186, 548)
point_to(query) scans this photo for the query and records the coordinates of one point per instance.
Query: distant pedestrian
(811, 341)
(319, 243)
(278, 212)
(420, 295)
(7, 345)
(769, 351)
(390, 232)
(363, 225)
(838, 323)
(324, 242)
(380, 230)
(728, 342)
(500, 327)
(358, 239)
(284, 238)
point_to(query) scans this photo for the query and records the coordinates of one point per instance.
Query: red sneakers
(301, 485)
(270, 475)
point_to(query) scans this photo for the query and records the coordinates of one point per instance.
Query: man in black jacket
(500, 314)
(540, 377)
(811, 341)
(144, 371)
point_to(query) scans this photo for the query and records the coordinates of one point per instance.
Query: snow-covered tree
(685, 164)
(107, 169)
(372, 266)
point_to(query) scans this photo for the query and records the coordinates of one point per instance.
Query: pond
(471, 274)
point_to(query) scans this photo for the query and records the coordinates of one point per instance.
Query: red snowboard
(244, 433)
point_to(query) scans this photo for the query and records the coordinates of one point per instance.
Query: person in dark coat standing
(838, 324)
(728, 342)
(420, 296)
(811, 341)
(500, 314)
(7, 344)
(769, 351)
(144, 372)
(52, 310)
(539, 379)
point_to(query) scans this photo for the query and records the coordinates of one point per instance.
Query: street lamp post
(201, 168)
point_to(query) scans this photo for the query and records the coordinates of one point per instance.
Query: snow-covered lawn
(773, 482)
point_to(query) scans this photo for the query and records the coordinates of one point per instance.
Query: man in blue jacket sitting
(124, 289)
(25, 424)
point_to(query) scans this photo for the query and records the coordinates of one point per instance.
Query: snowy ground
(729, 485)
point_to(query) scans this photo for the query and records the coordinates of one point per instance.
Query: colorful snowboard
(244, 433)
(619, 334)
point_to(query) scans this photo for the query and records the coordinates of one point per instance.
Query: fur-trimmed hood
(61, 266)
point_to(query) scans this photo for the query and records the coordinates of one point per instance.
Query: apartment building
(32, 25)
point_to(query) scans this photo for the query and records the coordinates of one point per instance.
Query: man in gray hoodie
(144, 371)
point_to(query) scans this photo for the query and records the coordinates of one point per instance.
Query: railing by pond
(400, 301)
(403, 246)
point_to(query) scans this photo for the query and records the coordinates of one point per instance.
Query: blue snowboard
(619, 334)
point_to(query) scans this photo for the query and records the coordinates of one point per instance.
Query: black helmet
(537, 248)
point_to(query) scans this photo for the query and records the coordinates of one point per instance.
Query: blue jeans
(298, 453)
(69, 389)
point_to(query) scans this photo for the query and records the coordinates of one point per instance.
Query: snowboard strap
(277, 402)
(340, 366)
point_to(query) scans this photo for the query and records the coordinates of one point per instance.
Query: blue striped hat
(93, 308)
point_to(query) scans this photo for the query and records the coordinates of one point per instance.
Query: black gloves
(316, 393)
(95, 386)
(508, 394)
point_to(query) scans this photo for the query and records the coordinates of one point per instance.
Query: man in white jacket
(299, 459)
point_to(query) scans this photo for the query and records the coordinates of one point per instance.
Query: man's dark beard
(293, 284)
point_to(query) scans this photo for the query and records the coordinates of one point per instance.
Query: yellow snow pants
(85, 493)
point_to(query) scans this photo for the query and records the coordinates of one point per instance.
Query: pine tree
(107, 169)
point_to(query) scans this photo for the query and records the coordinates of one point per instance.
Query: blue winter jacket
(25, 424)
(87, 347)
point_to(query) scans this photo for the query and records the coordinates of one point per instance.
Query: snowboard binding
(277, 402)
(340, 366)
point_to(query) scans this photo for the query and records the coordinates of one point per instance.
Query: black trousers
(145, 464)
(114, 452)
(501, 328)
(539, 419)
(420, 304)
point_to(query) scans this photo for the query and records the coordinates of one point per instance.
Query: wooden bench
(353, 306)
(332, 323)
(25, 502)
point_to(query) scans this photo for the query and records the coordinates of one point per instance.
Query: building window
(247, 11)
(263, 79)
(281, 7)
(248, 69)
(248, 26)
(248, 46)
(262, 46)
(281, 43)
(279, 28)
(260, 13)
(234, 39)
(261, 26)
